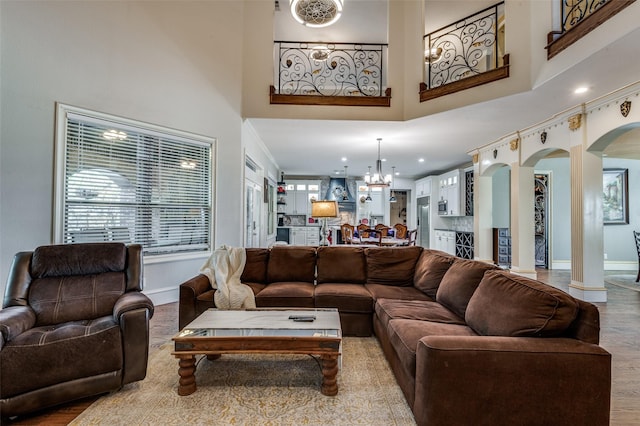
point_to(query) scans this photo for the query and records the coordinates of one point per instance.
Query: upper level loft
(381, 44)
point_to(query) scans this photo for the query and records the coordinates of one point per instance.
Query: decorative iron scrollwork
(463, 49)
(335, 69)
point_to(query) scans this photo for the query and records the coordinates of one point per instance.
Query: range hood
(339, 191)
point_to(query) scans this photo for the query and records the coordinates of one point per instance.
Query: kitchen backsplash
(459, 223)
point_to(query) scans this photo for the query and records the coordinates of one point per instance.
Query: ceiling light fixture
(316, 13)
(378, 180)
(393, 198)
(581, 90)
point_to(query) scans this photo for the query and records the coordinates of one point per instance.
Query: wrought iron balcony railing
(330, 73)
(465, 54)
(579, 17)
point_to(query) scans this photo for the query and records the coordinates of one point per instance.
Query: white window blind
(132, 182)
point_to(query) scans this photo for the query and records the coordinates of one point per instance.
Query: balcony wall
(527, 25)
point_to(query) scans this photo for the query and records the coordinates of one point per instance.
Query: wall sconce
(433, 55)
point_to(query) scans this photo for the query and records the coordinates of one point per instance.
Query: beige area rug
(624, 281)
(260, 390)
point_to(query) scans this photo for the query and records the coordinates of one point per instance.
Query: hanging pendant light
(345, 194)
(368, 199)
(393, 199)
(378, 180)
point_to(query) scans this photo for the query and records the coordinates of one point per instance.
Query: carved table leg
(186, 371)
(329, 372)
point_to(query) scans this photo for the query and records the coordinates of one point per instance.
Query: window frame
(63, 111)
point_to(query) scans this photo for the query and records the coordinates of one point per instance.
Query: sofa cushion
(58, 299)
(404, 335)
(255, 269)
(78, 259)
(344, 297)
(430, 269)
(288, 264)
(459, 283)
(286, 294)
(392, 265)
(423, 310)
(511, 305)
(381, 291)
(342, 265)
(40, 357)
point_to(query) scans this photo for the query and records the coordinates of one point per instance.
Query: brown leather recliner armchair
(74, 324)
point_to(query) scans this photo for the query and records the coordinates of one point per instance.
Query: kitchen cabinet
(299, 195)
(304, 236)
(445, 241)
(449, 191)
(377, 205)
(423, 187)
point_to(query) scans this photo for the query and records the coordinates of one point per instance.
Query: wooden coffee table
(216, 332)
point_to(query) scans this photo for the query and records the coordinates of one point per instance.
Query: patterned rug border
(257, 390)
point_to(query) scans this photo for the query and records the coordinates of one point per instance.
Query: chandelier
(378, 179)
(316, 13)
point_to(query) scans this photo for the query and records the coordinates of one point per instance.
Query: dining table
(385, 241)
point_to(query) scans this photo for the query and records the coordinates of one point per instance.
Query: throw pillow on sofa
(511, 305)
(392, 265)
(459, 283)
(430, 269)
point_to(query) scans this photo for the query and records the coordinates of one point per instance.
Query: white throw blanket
(224, 268)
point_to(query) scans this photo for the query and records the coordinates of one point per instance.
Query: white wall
(167, 63)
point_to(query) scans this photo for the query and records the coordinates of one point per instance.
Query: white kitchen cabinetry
(313, 236)
(445, 241)
(423, 187)
(304, 236)
(449, 191)
(299, 196)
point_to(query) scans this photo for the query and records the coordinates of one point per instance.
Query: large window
(121, 180)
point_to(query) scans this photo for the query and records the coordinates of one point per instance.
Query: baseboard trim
(163, 296)
(609, 265)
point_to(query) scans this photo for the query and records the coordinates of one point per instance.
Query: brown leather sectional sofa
(467, 342)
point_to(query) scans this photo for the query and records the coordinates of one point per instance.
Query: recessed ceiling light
(420, 160)
(344, 159)
(581, 90)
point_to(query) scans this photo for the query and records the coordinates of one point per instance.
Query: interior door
(253, 194)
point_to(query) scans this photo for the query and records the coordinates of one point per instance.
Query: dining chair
(373, 237)
(636, 235)
(412, 237)
(347, 233)
(400, 230)
(363, 230)
(383, 228)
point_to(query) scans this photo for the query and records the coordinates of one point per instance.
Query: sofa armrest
(15, 320)
(131, 301)
(189, 291)
(511, 380)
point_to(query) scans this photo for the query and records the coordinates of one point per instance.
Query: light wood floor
(620, 335)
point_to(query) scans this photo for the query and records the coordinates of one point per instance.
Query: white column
(587, 246)
(482, 216)
(522, 221)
